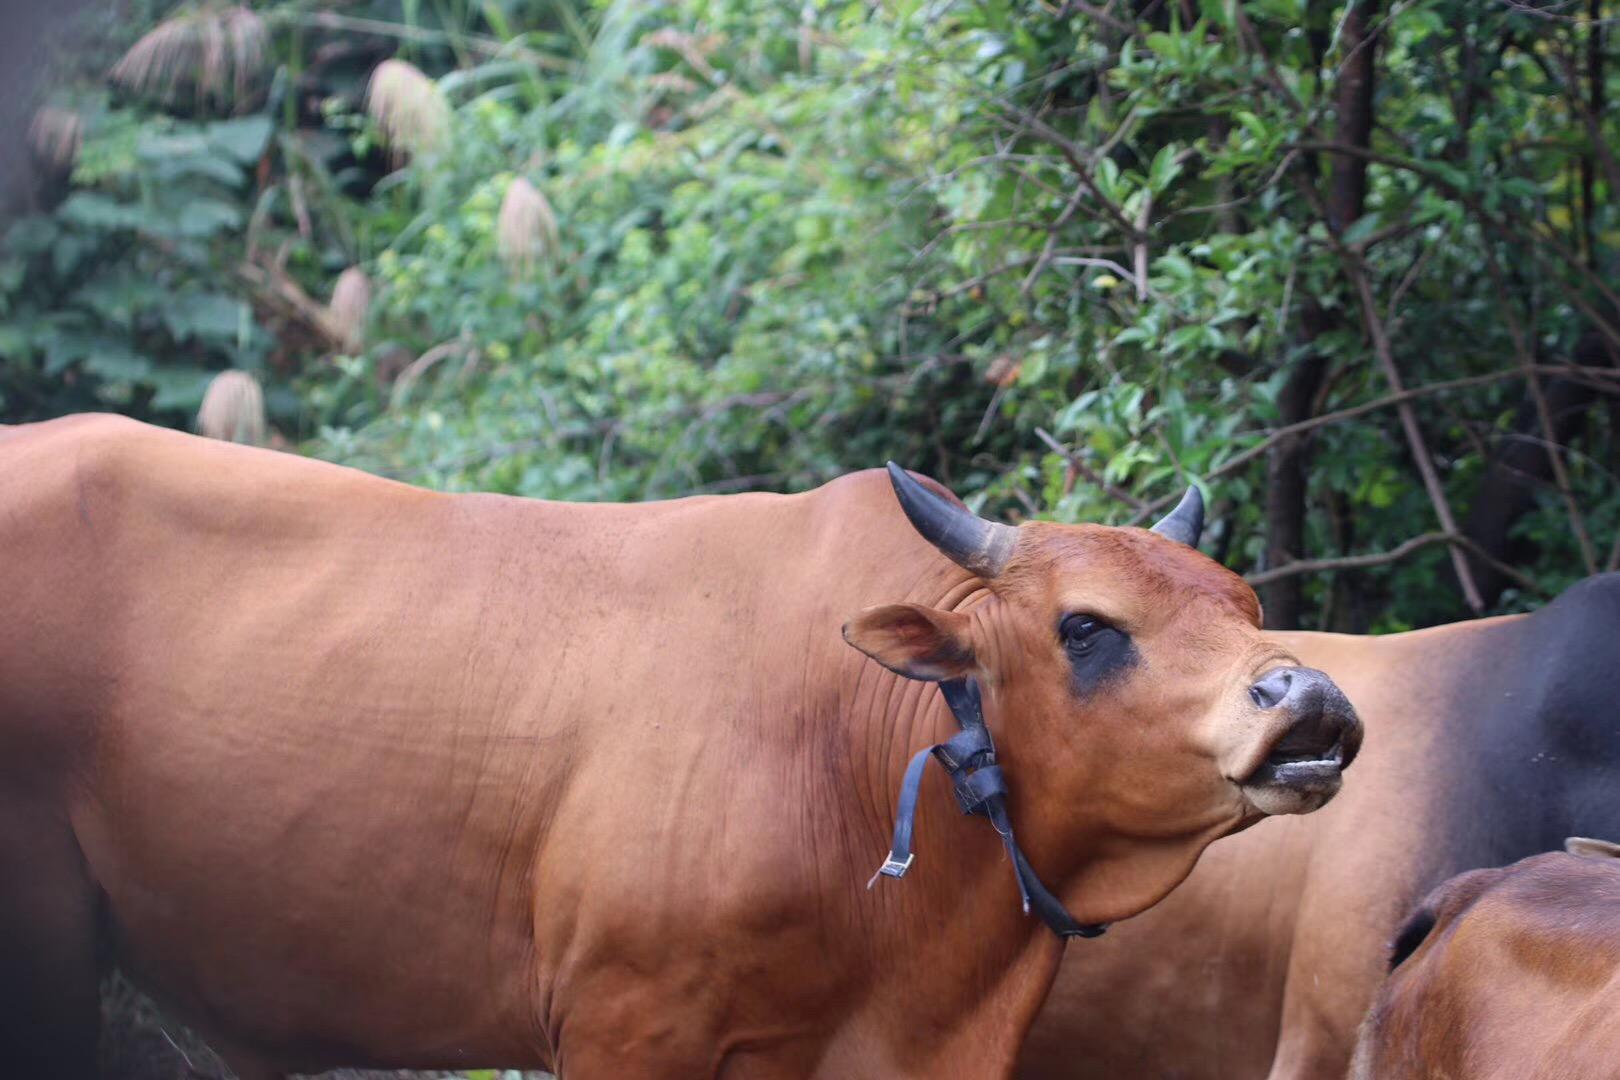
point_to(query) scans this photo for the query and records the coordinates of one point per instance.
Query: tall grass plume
(409, 107)
(56, 136)
(216, 55)
(351, 301)
(233, 409)
(526, 231)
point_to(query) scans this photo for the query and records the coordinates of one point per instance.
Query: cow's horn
(965, 538)
(1186, 522)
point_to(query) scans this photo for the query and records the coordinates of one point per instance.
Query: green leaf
(201, 218)
(158, 146)
(1363, 227)
(1452, 175)
(1521, 188)
(118, 362)
(205, 315)
(1165, 168)
(67, 253)
(98, 353)
(14, 342)
(118, 295)
(178, 389)
(31, 235)
(1176, 265)
(95, 211)
(244, 138)
(1253, 124)
(205, 166)
(1108, 180)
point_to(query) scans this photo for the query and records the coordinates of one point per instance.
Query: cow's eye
(1097, 650)
(1080, 632)
(1412, 935)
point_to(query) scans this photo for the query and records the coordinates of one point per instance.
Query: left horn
(1185, 523)
(961, 535)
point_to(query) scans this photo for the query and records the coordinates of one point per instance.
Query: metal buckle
(892, 867)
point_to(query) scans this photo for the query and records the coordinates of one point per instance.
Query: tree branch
(1395, 554)
(1414, 434)
(1609, 379)
(1549, 431)
(273, 287)
(478, 43)
(1531, 241)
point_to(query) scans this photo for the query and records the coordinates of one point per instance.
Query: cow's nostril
(1319, 734)
(1270, 691)
(1306, 699)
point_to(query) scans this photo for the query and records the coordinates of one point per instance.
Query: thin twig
(1414, 434)
(1521, 351)
(1051, 240)
(1140, 254)
(1524, 8)
(485, 46)
(419, 367)
(1395, 554)
(1098, 14)
(1243, 457)
(1530, 241)
(1087, 471)
(1075, 156)
(1378, 332)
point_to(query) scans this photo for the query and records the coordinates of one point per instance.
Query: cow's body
(354, 773)
(1487, 742)
(329, 769)
(1507, 974)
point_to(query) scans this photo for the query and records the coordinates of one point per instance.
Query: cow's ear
(915, 641)
(1595, 849)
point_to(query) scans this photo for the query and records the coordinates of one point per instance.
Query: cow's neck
(954, 923)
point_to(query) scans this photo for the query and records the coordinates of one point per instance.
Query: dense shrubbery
(1063, 259)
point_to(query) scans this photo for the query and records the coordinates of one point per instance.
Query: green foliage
(772, 243)
(114, 299)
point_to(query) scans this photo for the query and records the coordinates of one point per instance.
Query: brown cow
(347, 772)
(1490, 740)
(1505, 974)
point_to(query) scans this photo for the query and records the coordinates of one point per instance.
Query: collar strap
(969, 758)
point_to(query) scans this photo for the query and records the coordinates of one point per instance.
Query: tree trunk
(1288, 461)
(24, 61)
(1520, 467)
(1354, 114)
(1286, 483)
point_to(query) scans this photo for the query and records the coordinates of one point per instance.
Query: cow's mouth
(1303, 771)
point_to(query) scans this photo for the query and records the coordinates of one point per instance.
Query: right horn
(961, 535)
(1186, 522)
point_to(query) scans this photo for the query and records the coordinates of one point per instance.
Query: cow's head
(1138, 710)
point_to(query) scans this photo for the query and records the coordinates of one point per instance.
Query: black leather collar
(969, 757)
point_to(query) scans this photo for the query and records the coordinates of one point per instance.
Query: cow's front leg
(628, 1027)
(49, 1013)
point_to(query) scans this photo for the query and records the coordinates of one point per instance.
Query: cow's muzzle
(1305, 765)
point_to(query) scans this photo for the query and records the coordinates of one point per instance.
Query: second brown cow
(1505, 974)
